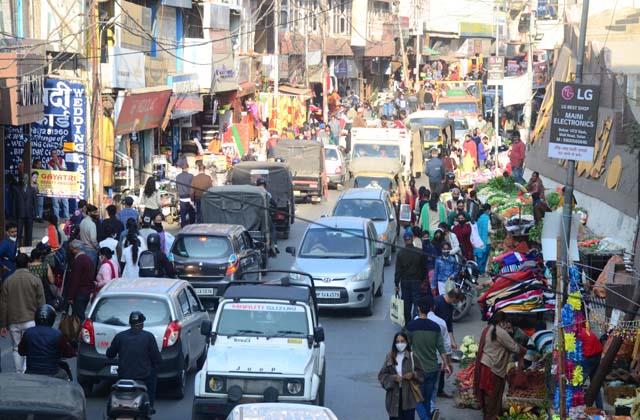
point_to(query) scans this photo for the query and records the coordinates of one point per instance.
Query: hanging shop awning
(384, 48)
(142, 109)
(186, 104)
(290, 90)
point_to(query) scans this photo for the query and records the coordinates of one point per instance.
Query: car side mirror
(324, 215)
(291, 250)
(318, 334)
(379, 251)
(206, 327)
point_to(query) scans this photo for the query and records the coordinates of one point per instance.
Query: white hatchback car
(336, 165)
(280, 411)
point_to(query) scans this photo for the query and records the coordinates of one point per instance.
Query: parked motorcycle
(466, 280)
(129, 400)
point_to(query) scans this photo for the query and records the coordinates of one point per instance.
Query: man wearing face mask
(462, 230)
(460, 210)
(410, 273)
(8, 251)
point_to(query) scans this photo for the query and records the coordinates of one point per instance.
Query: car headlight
(294, 387)
(362, 276)
(215, 384)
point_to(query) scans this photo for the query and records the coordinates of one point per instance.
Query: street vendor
(495, 353)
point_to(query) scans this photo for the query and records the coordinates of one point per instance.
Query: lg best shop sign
(574, 122)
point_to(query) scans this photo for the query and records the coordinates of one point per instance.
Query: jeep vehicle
(266, 345)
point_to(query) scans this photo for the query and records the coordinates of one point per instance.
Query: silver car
(342, 255)
(374, 204)
(173, 315)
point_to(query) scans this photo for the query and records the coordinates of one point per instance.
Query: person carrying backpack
(153, 262)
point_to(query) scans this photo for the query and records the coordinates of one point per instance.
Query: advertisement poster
(57, 183)
(63, 127)
(574, 121)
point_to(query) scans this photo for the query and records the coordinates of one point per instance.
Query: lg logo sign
(569, 92)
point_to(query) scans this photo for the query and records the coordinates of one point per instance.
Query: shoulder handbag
(476, 241)
(70, 326)
(415, 388)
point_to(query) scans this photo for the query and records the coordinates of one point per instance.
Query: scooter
(466, 280)
(129, 400)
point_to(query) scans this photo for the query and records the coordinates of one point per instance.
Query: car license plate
(208, 291)
(296, 193)
(328, 294)
(114, 370)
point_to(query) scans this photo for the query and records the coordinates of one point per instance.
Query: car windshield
(202, 247)
(331, 154)
(333, 243)
(460, 107)
(372, 182)
(370, 209)
(263, 319)
(115, 310)
(430, 133)
(376, 150)
(461, 124)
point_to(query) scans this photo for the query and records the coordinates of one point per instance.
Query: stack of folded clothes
(517, 291)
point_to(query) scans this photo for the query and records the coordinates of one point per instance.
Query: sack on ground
(396, 310)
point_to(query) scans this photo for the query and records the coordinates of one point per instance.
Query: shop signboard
(63, 127)
(225, 77)
(574, 121)
(156, 71)
(184, 4)
(135, 20)
(126, 68)
(142, 111)
(495, 69)
(183, 83)
(57, 183)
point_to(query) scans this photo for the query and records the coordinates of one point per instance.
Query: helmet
(153, 242)
(136, 318)
(261, 182)
(45, 315)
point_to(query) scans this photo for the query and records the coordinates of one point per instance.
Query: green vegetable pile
(500, 183)
(535, 233)
(553, 199)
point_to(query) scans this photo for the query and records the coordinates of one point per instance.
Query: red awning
(186, 104)
(142, 109)
(384, 48)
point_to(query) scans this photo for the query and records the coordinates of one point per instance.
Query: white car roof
(261, 411)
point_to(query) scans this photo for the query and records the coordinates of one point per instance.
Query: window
(115, 311)
(341, 13)
(333, 244)
(331, 154)
(202, 247)
(263, 319)
(193, 300)
(372, 241)
(192, 22)
(370, 209)
(547, 10)
(183, 300)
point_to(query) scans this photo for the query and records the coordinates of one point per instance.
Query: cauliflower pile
(469, 348)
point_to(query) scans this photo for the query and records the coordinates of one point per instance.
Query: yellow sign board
(57, 183)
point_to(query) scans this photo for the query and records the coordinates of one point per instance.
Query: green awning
(430, 51)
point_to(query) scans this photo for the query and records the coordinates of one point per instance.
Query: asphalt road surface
(356, 347)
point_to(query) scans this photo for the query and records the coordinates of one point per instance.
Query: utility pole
(419, 29)
(324, 10)
(306, 48)
(496, 97)
(94, 172)
(405, 62)
(529, 105)
(276, 45)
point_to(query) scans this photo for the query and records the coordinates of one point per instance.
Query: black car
(211, 255)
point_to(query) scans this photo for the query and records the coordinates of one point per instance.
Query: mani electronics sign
(574, 121)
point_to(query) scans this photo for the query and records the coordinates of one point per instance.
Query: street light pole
(276, 46)
(323, 34)
(496, 97)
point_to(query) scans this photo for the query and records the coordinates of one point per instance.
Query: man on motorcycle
(45, 346)
(138, 354)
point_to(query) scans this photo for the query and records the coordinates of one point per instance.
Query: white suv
(266, 345)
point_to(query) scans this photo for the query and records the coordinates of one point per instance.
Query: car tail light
(87, 333)
(171, 334)
(339, 169)
(279, 216)
(232, 266)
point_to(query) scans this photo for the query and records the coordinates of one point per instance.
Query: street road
(356, 347)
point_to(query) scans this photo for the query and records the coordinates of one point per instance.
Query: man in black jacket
(138, 354)
(410, 273)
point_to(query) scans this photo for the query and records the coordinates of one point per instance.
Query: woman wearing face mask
(494, 353)
(445, 267)
(400, 377)
(462, 230)
(484, 226)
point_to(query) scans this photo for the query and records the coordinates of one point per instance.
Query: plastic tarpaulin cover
(276, 174)
(244, 205)
(304, 157)
(40, 397)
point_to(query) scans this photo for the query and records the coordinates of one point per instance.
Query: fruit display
(465, 397)
(530, 385)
